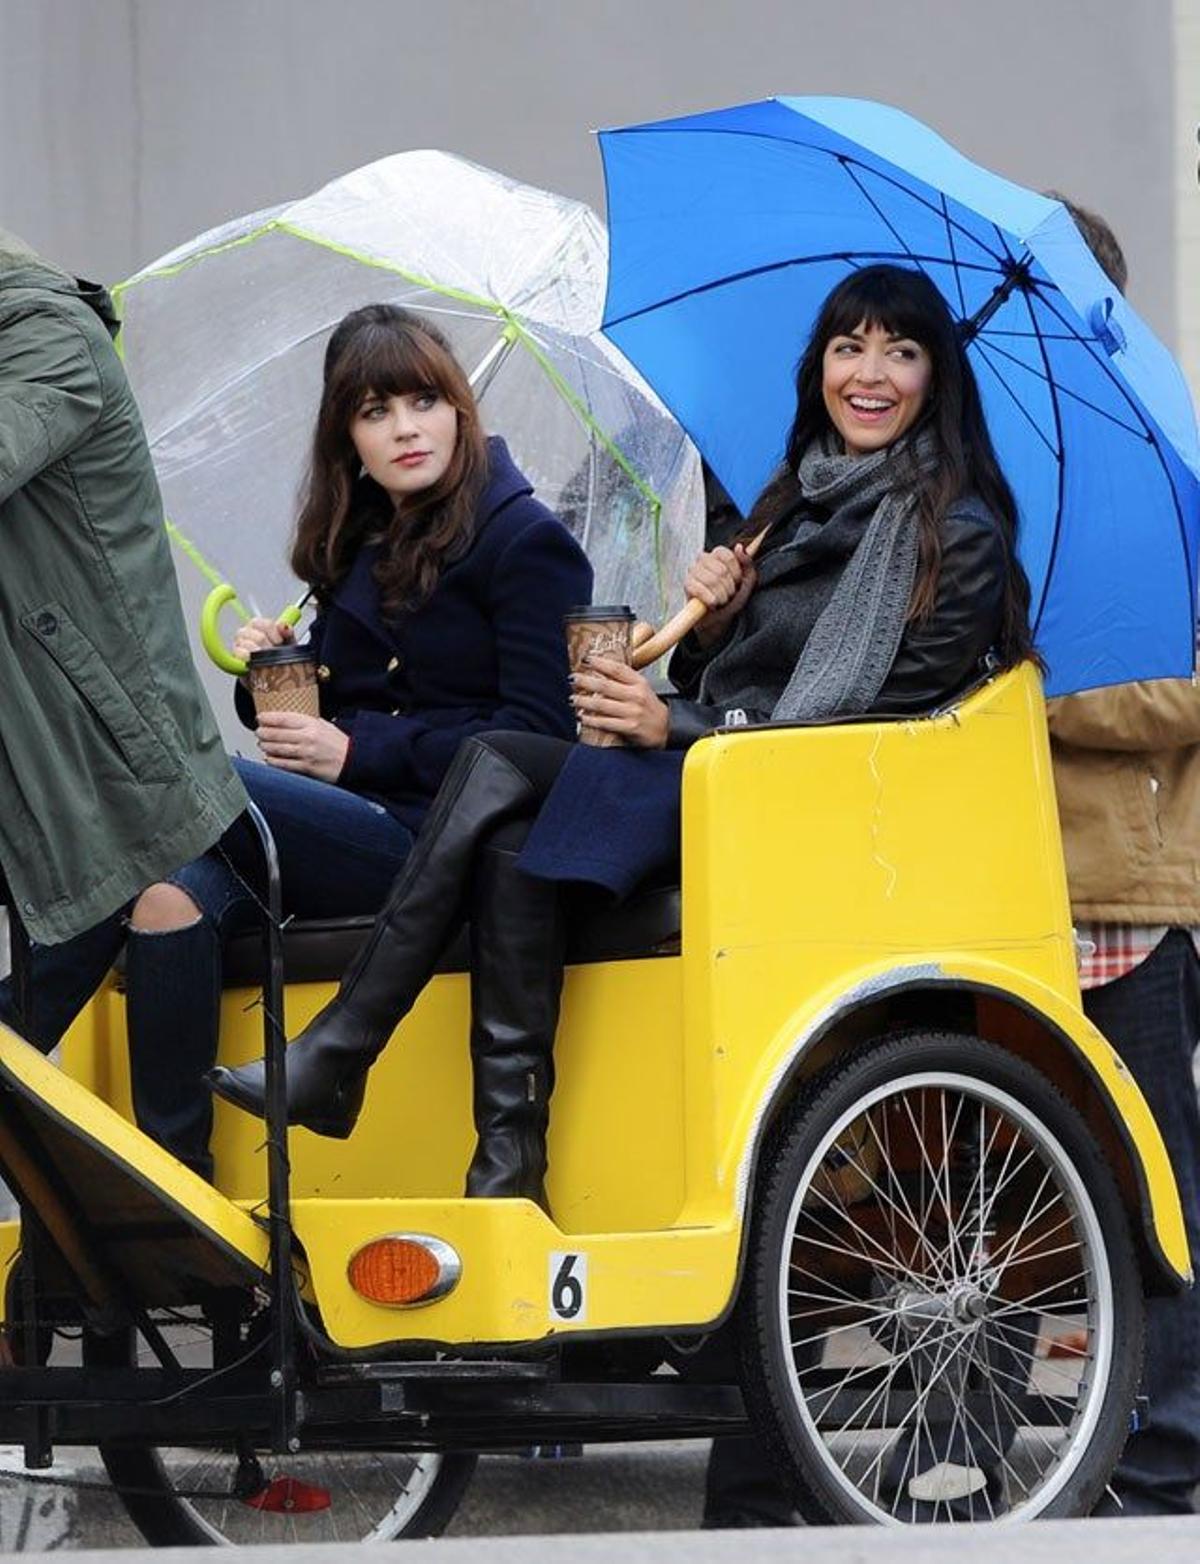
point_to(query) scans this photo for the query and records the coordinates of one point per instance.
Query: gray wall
(128, 125)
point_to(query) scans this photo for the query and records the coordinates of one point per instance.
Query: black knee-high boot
(517, 939)
(173, 1011)
(327, 1064)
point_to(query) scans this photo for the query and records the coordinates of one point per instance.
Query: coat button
(324, 672)
(45, 623)
(393, 664)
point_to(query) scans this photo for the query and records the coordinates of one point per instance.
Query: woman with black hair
(888, 583)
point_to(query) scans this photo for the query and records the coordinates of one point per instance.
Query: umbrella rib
(1036, 619)
(1017, 403)
(1101, 360)
(962, 301)
(1031, 336)
(1076, 396)
(790, 141)
(848, 257)
(927, 204)
(1134, 407)
(848, 166)
(233, 382)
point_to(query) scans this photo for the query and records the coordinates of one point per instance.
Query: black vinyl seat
(318, 950)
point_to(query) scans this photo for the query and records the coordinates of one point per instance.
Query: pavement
(1051, 1542)
(650, 1493)
(612, 1488)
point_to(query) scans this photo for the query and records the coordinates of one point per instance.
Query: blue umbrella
(728, 229)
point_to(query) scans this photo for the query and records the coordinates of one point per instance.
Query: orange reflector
(403, 1268)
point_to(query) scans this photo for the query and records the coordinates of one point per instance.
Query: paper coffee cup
(284, 678)
(605, 631)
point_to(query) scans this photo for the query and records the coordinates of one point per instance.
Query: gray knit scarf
(857, 635)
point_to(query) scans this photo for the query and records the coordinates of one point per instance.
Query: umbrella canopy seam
(121, 288)
(784, 265)
(208, 570)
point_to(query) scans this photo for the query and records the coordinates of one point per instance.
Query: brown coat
(1127, 773)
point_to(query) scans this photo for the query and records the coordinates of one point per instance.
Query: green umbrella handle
(210, 635)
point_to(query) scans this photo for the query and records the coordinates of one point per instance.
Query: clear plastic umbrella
(223, 339)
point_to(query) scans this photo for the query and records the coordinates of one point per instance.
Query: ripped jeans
(338, 855)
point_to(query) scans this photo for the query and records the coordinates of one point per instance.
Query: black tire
(184, 1497)
(898, 1297)
(153, 1491)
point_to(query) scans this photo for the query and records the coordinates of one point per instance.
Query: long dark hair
(387, 351)
(905, 303)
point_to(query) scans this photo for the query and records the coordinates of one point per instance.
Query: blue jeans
(338, 855)
(1152, 1018)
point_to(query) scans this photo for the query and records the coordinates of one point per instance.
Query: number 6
(568, 1285)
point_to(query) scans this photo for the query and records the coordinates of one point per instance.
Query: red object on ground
(290, 1495)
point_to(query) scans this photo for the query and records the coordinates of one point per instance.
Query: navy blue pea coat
(484, 651)
(611, 819)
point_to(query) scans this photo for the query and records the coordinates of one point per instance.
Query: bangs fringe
(880, 296)
(395, 363)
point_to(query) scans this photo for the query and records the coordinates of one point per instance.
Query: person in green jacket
(112, 772)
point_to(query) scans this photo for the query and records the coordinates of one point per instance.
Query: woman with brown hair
(441, 584)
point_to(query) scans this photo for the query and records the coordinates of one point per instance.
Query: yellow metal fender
(1116, 1092)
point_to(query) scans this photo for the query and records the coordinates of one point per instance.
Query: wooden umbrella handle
(648, 644)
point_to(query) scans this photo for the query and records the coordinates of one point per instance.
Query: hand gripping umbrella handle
(650, 644)
(210, 635)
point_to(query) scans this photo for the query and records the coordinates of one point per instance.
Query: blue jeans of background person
(338, 855)
(1152, 1018)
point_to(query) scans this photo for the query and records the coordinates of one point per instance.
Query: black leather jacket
(939, 655)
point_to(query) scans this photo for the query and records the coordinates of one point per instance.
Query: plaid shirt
(1107, 951)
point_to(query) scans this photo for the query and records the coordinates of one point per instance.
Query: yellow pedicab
(873, 1137)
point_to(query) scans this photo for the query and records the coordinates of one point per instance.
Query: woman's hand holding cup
(310, 746)
(256, 635)
(722, 580)
(607, 694)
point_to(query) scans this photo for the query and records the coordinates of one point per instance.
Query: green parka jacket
(111, 769)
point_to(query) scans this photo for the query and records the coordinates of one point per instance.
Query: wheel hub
(962, 1304)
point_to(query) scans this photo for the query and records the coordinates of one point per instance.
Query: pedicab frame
(855, 895)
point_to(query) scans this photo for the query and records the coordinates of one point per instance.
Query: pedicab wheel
(200, 1497)
(184, 1498)
(942, 1316)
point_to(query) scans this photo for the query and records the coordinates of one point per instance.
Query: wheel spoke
(882, 1250)
(906, 1213)
(1021, 1305)
(890, 1205)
